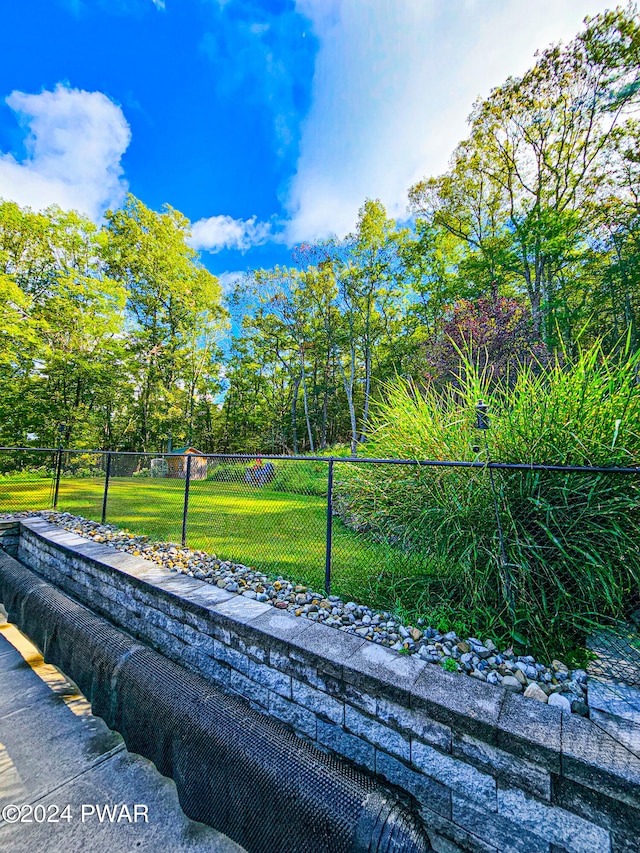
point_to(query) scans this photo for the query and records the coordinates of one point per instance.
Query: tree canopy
(527, 246)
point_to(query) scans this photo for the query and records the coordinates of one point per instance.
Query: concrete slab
(9, 653)
(51, 741)
(54, 753)
(128, 780)
(46, 725)
(19, 689)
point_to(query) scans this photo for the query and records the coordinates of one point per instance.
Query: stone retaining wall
(489, 770)
(9, 535)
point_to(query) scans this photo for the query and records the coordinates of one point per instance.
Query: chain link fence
(27, 478)
(537, 550)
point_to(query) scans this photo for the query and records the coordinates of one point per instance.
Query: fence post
(327, 564)
(186, 500)
(482, 423)
(106, 488)
(58, 472)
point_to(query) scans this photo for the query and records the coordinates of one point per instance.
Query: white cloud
(394, 82)
(74, 146)
(228, 280)
(224, 232)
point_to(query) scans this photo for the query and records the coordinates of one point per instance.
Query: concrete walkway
(75, 785)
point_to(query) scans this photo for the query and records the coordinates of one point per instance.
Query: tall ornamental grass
(571, 557)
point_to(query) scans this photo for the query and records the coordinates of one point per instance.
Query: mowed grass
(278, 533)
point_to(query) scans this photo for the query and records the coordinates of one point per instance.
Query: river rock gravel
(479, 658)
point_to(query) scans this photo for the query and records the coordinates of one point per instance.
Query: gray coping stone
(209, 596)
(96, 553)
(188, 591)
(327, 648)
(593, 758)
(52, 531)
(382, 672)
(241, 609)
(530, 730)
(59, 539)
(173, 587)
(276, 625)
(133, 567)
(507, 834)
(621, 729)
(459, 701)
(174, 583)
(90, 549)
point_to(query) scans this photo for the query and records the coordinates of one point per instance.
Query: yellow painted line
(52, 677)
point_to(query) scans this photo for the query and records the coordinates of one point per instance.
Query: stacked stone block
(9, 535)
(488, 770)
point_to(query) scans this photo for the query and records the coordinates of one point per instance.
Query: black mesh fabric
(81, 644)
(235, 769)
(16, 584)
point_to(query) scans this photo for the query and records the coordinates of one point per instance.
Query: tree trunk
(367, 393)
(306, 416)
(294, 406)
(325, 405)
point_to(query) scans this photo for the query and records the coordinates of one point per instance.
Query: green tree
(176, 318)
(522, 185)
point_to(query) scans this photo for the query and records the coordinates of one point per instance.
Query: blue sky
(266, 122)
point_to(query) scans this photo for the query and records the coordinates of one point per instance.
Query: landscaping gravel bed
(554, 684)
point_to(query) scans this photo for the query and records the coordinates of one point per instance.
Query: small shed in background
(177, 463)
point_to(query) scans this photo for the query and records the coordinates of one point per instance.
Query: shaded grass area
(276, 532)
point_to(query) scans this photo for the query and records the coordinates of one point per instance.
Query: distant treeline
(526, 248)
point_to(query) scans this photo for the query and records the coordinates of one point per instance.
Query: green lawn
(277, 532)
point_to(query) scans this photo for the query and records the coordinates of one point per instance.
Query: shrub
(82, 465)
(226, 472)
(29, 473)
(301, 478)
(570, 538)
